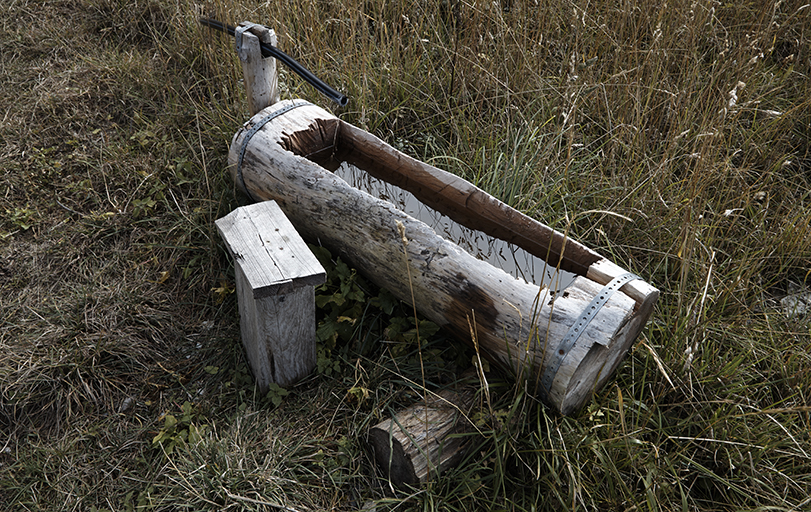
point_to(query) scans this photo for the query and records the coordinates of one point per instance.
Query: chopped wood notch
(276, 275)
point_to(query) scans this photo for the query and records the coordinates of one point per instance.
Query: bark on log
(518, 325)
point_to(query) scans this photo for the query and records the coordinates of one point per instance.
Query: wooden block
(276, 275)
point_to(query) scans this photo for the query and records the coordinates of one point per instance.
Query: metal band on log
(518, 326)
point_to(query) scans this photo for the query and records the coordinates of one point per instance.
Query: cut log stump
(564, 344)
(276, 275)
(426, 439)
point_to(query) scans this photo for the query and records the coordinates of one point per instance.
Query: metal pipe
(271, 51)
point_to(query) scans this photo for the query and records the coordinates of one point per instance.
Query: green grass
(613, 121)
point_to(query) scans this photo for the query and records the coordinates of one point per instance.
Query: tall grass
(671, 137)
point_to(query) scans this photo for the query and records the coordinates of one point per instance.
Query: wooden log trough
(564, 343)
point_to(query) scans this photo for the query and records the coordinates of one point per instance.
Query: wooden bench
(276, 275)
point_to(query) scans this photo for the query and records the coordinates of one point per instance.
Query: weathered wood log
(276, 275)
(283, 153)
(426, 439)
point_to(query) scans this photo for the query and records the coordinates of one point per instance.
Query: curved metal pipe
(272, 51)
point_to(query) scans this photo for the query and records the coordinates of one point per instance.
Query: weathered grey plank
(272, 254)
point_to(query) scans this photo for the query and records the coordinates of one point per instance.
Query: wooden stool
(276, 275)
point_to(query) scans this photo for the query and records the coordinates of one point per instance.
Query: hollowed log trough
(285, 153)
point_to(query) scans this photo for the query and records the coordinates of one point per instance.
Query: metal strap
(579, 327)
(258, 126)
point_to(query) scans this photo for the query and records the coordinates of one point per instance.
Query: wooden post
(275, 278)
(261, 78)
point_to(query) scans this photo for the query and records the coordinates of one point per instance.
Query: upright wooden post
(275, 275)
(261, 78)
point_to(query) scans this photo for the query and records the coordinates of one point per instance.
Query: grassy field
(671, 137)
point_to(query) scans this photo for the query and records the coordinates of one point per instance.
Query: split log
(425, 440)
(284, 152)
